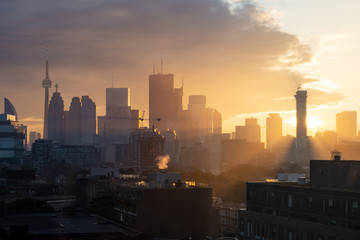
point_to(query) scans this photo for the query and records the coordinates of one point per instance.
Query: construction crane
(142, 118)
(298, 86)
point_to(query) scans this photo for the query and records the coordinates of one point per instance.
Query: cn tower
(46, 83)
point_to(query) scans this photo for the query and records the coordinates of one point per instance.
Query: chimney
(336, 155)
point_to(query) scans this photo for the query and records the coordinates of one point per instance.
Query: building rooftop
(57, 223)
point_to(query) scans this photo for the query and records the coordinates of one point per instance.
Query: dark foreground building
(327, 208)
(58, 226)
(167, 209)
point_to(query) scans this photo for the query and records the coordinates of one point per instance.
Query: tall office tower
(46, 83)
(209, 122)
(56, 117)
(273, 130)
(213, 122)
(75, 122)
(118, 115)
(101, 126)
(197, 107)
(9, 108)
(217, 123)
(66, 127)
(88, 117)
(251, 132)
(11, 140)
(301, 129)
(135, 119)
(346, 125)
(165, 102)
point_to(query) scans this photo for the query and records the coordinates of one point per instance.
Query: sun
(313, 122)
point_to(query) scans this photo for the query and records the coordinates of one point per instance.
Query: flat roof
(57, 223)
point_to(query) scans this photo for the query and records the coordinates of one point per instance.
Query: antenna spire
(154, 67)
(47, 61)
(161, 66)
(56, 86)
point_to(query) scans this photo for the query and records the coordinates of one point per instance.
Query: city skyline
(77, 76)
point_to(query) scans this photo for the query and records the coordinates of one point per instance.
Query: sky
(247, 57)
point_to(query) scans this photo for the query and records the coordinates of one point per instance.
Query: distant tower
(273, 130)
(46, 83)
(346, 125)
(75, 126)
(56, 117)
(300, 97)
(88, 120)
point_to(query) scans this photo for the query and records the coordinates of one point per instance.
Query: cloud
(230, 52)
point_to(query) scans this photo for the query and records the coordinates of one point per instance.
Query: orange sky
(240, 57)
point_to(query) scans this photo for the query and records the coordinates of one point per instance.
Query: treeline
(230, 185)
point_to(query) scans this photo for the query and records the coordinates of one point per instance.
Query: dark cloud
(224, 52)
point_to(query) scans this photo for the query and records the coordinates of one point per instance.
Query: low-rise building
(323, 209)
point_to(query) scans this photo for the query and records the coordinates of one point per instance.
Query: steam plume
(162, 161)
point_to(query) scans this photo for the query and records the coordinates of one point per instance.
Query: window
(331, 203)
(290, 234)
(290, 203)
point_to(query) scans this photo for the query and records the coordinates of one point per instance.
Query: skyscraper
(251, 132)
(9, 108)
(11, 140)
(56, 117)
(88, 117)
(118, 115)
(301, 129)
(75, 126)
(46, 83)
(273, 130)
(165, 102)
(197, 107)
(346, 126)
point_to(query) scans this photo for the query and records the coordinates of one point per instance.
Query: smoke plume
(162, 161)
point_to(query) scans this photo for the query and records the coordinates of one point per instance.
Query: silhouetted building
(41, 151)
(88, 120)
(75, 122)
(251, 132)
(10, 109)
(33, 136)
(197, 107)
(217, 122)
(11, 140)
(165, 102)
(80, 155)
(23, 128)
(54, 226)
(135, 119)
(118, 155)
(327, 208)
(144, 146)
(182, 211)
(301, 127)
(273, 130)
(118, 121)
(102, 126)
(172, 145)
(238, 151)
(346, 126)
(46, 83)
(56, 124)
